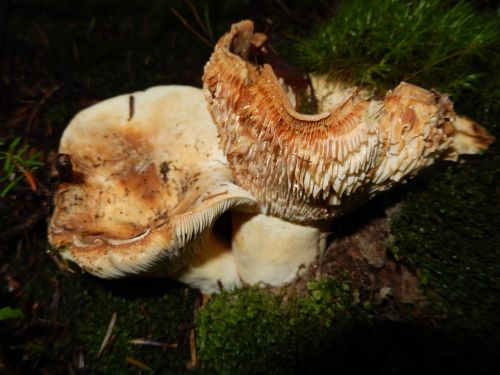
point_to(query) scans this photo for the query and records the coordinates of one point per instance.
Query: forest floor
(57, 58)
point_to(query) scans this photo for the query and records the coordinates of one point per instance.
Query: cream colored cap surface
(147, 179)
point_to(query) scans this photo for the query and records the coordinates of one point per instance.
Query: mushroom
(304, 169)
(142, 182)
(143, 175)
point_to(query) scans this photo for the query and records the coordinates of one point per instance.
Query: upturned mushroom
(143, 177)
(305, 169)
(143, 181)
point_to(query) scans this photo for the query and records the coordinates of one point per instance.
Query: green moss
(449, 233)
(252, 330)
(144, 311)
(76, 311)
(447, 45)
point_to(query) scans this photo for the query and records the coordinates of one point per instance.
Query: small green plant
(10, 313)
(17, 163)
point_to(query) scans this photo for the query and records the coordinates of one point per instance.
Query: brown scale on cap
(310, 167)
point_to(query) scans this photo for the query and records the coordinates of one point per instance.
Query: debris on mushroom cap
(147, 177)
(309, 167)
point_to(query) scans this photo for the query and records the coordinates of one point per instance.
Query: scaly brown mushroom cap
(146, 179)
(309, 167)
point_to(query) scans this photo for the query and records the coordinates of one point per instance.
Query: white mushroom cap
(147, 179)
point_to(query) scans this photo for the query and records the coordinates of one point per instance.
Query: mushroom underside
(308, 167)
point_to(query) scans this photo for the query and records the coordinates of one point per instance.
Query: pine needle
(107, 337)
(139, 364)
(145, 342)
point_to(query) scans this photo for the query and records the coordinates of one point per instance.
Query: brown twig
(26, 224)
(39, 105)
(131, 107)
(31, 179)
(192, 345)
(159, 344)
(139, 364)
(27, 175)
(191, 28)
(62, 265)
(204, 27)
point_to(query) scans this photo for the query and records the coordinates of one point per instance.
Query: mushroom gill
(309, 167)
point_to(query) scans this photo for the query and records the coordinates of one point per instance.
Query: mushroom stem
(213, 267)
(273, 251)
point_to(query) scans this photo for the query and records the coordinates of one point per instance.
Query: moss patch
(66, 317)
(252, 330)
(449, 233)
(144, 309)
(447, 45)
